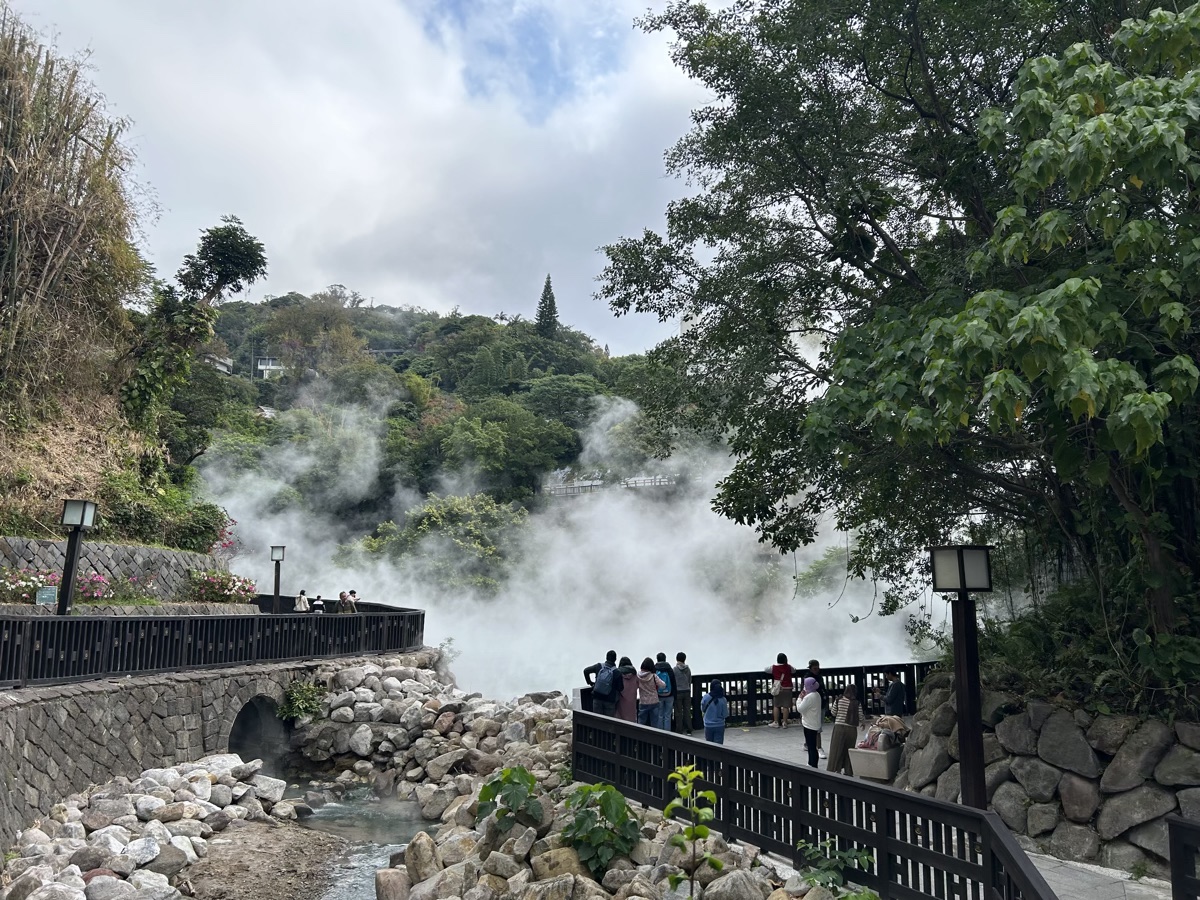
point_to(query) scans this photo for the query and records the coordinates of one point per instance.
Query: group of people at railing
(647, 695)
(346, 602)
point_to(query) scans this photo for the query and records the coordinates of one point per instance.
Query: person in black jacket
(606, 705)
(666, 702)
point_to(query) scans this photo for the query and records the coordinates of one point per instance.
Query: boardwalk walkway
(1070, 881)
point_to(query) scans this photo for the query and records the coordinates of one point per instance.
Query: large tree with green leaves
(546, 321)
(940, 275)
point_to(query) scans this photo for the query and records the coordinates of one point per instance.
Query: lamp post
(963, 569)
(277, 558)
(79, 516)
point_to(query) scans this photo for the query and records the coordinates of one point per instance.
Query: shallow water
(376, 830)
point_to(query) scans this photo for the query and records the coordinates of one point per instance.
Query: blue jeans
(714, 733)
(666, 705)
(648, 715)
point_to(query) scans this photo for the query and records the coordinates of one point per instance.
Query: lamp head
(277, 553)
(78, 513)
(966, 567)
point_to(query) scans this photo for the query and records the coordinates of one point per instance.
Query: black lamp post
(963, 569)
(277, 558)
(79, 516)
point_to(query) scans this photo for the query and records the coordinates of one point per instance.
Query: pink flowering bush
(214, 586)
(21, 585)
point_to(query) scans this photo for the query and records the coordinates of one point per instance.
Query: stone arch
(251, 725)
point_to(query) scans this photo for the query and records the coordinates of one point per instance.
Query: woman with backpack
(715, 707)
(649, 684)
(847, 713)
(627, 699)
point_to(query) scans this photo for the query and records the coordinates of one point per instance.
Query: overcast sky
(426, 152)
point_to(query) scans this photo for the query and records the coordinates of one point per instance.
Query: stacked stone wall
(1077, 786)
(169, 568)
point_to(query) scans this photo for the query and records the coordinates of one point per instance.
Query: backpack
(665, 674)
(608, 682)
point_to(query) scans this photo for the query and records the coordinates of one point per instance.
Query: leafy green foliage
(509, 793)
(827, 865)
(698, 807)
(602, 828)
(145, 508)
(546, 322)
(301, 699)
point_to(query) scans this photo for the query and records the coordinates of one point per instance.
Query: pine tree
(546, 323)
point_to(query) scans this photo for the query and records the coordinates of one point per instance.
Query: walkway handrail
(1183, 841)
(54, 650)
(921, 847)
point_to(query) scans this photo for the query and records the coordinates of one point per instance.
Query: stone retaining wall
(170, 609)
(59, 739)
(168, 567)
(1077, 786)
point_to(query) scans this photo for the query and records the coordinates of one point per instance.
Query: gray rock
(1074, 842)
(106, 887)
(348, 679)
(185, 844)
(89, 858)
(268, 788)
(28, 882)
(1061, 743)
(345, 698)
(736, 885)
(146, 806)
(1179, 768)
(457, 847)
(1016, 735)
(1189, 803)
(342, 714)
(995, 775)
(993, 705)
(1123, 811)
(928, 763)
(246, 771)
(1122, 856)
(170, 861)
(1108, 733)
(992, 751)
(1039, 779)
(1188, 734)
(437, 768)
(1012, 804)
(222, 795)
(153, 884)
(360, 740)
(1080, 797)
(560, 888)
(421, 858)
(943, 720)
(1042, 817)
(501, 865)
(1151, 836)
(57, 891)
(1038, 711)
(1135, 761)
(142, 851)
(392, 884)
(949, 784)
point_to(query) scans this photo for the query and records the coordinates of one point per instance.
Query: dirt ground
(262, 861)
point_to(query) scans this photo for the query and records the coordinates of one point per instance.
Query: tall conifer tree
(546, 322)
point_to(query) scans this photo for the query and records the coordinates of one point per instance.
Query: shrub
(215, 586)
(21, 585)
(509, 794)
(602, 828)
(302, 698)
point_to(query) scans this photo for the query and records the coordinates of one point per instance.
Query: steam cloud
(636, 571)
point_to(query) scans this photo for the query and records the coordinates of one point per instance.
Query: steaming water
(375, 830)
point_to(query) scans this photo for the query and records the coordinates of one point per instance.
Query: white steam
(636, 571)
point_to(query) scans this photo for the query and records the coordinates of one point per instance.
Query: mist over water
(637, 571)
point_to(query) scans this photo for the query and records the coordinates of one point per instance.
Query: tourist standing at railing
(811, 716)
(666, 695)
(318, 605)
(352, 601)
(715, 708)
(649, 684)
(783, 679)
(603, 679)
(683, 694)
(847, 714)
(895, 697)
(814, 671)
(301, 604)
(627, 700)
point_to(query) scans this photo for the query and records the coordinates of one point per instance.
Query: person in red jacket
(785, 676)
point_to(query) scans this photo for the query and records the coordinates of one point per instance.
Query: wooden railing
(52, 649)
(920, 847)
(1184, 843)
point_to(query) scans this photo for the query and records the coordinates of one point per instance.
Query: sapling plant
(508, 794)
(697, 807)
(827, 865)
(602, 828)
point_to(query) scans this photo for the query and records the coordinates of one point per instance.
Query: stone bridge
(55, 740)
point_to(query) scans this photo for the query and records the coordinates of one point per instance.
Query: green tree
(940, 281)
(570, 399)
(546, 321)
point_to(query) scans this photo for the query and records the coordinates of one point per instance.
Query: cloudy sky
(427, 152)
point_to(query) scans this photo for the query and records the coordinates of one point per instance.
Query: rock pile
(469, 858)
(128, 840)
(409, 732)
(1076, 786)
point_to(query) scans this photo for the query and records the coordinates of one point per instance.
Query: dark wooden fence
(920, 847)
(52, 649)
(749, 693)
(1184, 843)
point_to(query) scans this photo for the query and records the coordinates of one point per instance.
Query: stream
(376, 830)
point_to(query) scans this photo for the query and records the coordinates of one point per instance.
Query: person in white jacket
(810, 718)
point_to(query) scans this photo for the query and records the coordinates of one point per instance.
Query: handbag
(776, 687)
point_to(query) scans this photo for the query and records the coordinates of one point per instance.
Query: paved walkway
(1070, 881)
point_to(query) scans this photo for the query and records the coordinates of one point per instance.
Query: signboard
(47, 596)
